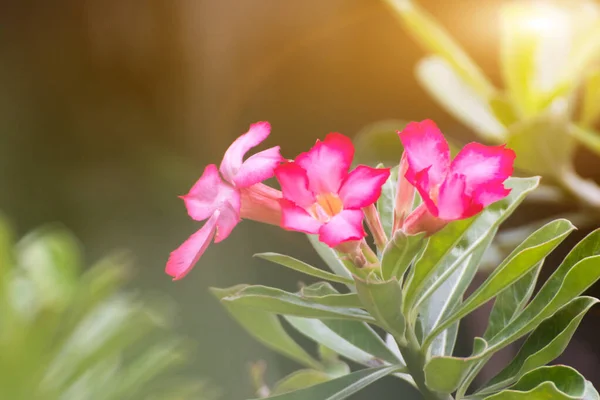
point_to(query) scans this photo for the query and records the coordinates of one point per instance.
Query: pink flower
(321, 197)
(224, 202)
(451, 190)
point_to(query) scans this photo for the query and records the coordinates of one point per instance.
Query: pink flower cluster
(320, 195)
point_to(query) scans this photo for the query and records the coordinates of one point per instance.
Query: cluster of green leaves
(416, 295)
(551, 95)
(68, 334)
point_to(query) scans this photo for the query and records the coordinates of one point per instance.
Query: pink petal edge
(327, 163)
(481, 164)
(234, 156)
(257, 168)
(182, 260)
(362, 186)
(202, 199)
(295, 218)
(343, 227)
(489, 193)
(426, 148)
(422, 185)
(294, 184)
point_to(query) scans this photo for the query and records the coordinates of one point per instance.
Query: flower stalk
(415, 362)
(374, 225)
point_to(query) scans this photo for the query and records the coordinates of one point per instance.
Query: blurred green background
(109, 109)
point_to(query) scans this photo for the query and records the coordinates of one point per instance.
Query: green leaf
(330, 257)
(503, 109)
(339, 388)
(52, 260)
(266, 328)
(577, 272)
(590, 109)
(303, 267)
(125, 327)
(383, 300)
(586, 137)
(462, 101)
(444, 374)
(546, 343)
(157, 360)
(590, 392)
(525, 257)
(582, 58)
(434, 39)
(556, 382)
(518, 55)
(342, 306)
(399, 254)
(80, 336)
(354, 340)
(447, 250)
(320, 289)
(511, 302)
(446, 299)
(387, 202)
(537, 154)
(299, 380)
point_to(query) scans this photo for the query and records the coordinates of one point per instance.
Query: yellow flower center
(327, 206)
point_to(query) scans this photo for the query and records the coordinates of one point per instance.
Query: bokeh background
(109, 109)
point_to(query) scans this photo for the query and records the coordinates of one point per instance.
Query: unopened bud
(405, 194)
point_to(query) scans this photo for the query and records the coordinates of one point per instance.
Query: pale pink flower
(321, 197)
(451, 190)
(224, 202)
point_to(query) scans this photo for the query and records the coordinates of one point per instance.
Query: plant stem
(415, 362)
(369, 253)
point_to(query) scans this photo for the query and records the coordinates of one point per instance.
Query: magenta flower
(224, 202)
(321, 197)
(452, 190)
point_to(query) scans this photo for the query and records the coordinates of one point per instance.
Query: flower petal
(481, 164)
(422, 220)
(295, 218)
(229, 217)
(426, 149)
(453, 202)
(294, 184)
(206, 194)
(257, 168)
(489, 193)
(327, 163)
(234, 156)
(343, 227)
(182, 260)
(362, 186)
(261, 203)
(423, 187)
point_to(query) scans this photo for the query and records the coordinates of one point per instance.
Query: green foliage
(339, 388)
(66, 333)
(303, 267)
(416, 295)
(549, 66)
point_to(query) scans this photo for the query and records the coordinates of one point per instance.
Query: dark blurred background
(109, 109)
